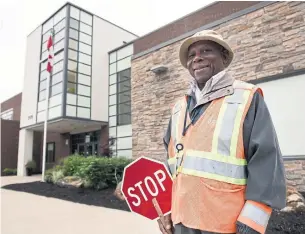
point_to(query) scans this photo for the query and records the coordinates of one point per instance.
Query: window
(288, 116)
(124, 97)
(112, 68)
(85, 38)
(59, 26)
(124, 75)
(112, 110)
(60, 35)
(85, 28)
(84, 48)
(54, 112)
(124, 64)
(50, 154)
(112, 100)
(72, 66)
(73, 34)
(83, 79)
(71, 110)
(124, 52)
(73, 44)
(124, 119)
(60, 15)
(71, 88)
(74, 12)
(43, 85)
(112, 79)
(58, 67)
(85, 69)
(74, 24)
(71, 99)
(56, 89)
(83, 90)
(124, 108)
(57, 78)
(124, 86)
(55, 100)
(112, 89)
(83, 112)
(7, 114)
(73, 54)
(60, 45)
(112, 57)
(42, 95)
(72, 76)
(83, 101)
(83, 58)
(86, 18)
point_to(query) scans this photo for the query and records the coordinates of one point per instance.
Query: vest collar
(218, 86)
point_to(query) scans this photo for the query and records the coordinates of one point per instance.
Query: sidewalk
(24, 213)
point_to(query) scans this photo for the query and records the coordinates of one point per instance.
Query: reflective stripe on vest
(222, 163)
(215, 166)
(255, 215)
(228, 123)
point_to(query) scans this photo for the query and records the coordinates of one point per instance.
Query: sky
(18, 18)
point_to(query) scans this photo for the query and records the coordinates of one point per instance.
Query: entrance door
(87, 149)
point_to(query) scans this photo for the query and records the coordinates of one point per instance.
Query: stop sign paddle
(147, 188)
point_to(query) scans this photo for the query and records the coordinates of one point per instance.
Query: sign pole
(159, 212)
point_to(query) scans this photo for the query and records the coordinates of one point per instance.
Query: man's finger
(161, 227)
(168, 228)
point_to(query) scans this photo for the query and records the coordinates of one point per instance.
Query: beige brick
(266, 42)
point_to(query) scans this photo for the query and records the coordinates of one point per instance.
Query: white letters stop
(150, 185)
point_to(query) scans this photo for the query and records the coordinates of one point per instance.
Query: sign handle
(159, 212)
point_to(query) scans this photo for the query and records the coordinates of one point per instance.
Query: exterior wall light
(159, 69)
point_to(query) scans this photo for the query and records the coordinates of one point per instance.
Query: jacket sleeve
(266, 184)
(166, 140)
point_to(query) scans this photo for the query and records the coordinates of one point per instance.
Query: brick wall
(267, 42)
(15, 103)
(295, 173)
(9, 144)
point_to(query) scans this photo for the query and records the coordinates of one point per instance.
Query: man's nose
(197, 59)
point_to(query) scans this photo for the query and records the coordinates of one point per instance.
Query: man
(223, 151)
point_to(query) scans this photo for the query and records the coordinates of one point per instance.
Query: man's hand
(168, 229)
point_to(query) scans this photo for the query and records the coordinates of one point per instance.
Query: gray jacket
(266, 174)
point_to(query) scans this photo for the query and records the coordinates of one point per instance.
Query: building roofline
(165, 25)
(122, 46)
(71, 4)
(11, 97)
(259, 5)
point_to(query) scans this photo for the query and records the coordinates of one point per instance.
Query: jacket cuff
(255, 215)
(244, 229)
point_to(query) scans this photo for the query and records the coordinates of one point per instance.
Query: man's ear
(225, 56)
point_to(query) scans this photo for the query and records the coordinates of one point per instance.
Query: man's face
(205, 59)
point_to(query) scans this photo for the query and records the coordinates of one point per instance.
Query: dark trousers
(181, 229)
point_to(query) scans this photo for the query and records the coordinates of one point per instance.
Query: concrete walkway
(24, 213)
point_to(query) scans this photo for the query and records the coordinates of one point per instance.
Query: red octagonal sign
(146, 179)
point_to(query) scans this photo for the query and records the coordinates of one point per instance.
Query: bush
(9, 171)
(31, 165)
(56, 172)
(97, 172)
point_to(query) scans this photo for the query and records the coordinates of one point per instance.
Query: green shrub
(57, 175)
(9, 171)
(31, 164)
(97, 172)
(48, 176)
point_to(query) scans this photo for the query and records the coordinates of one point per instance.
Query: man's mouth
(201, 68)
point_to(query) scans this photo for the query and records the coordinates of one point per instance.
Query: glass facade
(79, 64)
(70, 81)
(120, 101)
(58, 23)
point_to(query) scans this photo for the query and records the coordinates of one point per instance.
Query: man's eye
(191, 55)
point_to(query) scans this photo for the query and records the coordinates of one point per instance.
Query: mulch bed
(280, 222)
(103, 198)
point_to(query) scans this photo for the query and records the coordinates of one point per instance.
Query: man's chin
(202, 79)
